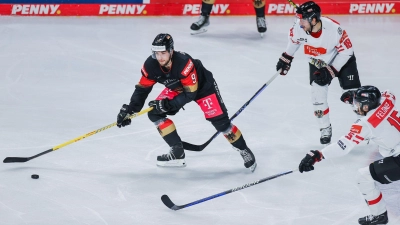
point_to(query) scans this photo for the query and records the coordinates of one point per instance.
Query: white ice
(64, 77)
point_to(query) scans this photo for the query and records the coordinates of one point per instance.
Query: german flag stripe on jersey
(166, 127)
(145, 82)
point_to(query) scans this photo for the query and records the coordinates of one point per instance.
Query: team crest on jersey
(340, 31)
(356, 129)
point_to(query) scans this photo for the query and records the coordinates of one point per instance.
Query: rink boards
(181, 8)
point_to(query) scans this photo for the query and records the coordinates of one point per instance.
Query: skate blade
(194, 32)
(172, 163)
(253, 167)
(262, 35)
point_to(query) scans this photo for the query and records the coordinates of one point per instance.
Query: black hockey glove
(160, 106)
(307, 164)
(347, 97)
(284, 63)
(123, 116)
(325, 75)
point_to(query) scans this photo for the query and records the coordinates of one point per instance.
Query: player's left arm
(359, 131)
(190, 84)
(344, 48)
(342, 147)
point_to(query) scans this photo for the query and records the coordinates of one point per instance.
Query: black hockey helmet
(366, 95)
(308, 11)
(162, 42)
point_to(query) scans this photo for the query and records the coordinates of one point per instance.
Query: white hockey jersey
(333, 46)
(381, 125)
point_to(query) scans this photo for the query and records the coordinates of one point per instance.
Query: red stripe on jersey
(333, 20)
(144, 72)
(165, 124)
(146, 82)
(344, 36)
(188, 68)
(373, 202)
(326, 111)
(359, 137)
(291, 32)
(357, 142)
(381, 112)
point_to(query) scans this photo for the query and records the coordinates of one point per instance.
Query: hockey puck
(35, 176)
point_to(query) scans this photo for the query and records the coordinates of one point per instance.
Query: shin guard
(168, 132)
(370, 191)
(319, 99)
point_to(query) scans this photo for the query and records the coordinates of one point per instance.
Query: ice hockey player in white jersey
(331, 55)
(379, 122)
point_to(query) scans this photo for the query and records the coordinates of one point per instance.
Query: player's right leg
(167, 130)
(319, 99)
(204, 19)
(384, 171)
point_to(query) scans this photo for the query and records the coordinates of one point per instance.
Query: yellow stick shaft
(99, 130)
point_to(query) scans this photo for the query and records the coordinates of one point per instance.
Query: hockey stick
(167, 201)
(292, 3)
(25, 159)
(198, 148)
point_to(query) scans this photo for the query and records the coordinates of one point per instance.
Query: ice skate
(374, 220)
(261, 25)
(326, 135)
(200, 26)
(175, 157)
(248, 158)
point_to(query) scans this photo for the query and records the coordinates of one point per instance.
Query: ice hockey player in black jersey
(380, 123)
(206, 7)
(185, 80)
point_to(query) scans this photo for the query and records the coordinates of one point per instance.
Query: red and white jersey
(332, 45)
(381, 125)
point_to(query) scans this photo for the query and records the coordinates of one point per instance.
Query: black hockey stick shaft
(198, 148)
(167, 201)
(25, 159)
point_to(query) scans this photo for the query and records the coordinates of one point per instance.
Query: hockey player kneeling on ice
(379, 122)
(331, 55)
(185, 80)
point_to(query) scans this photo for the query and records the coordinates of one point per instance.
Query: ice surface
(64, 77)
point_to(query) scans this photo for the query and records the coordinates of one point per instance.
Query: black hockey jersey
(186, 76)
